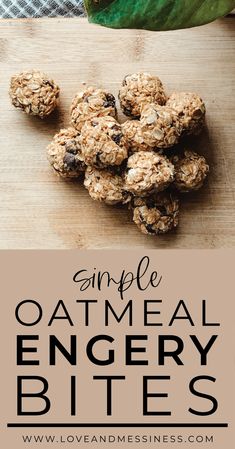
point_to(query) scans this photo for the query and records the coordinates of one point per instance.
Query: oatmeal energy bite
(191, 170)
(133, 136)
(156, 214)
(138, 89)
(190, 109)
(102, 143)
(104, 185)
(148, 172)
(91, 103)
(34, 93)
(160, 126)
(64, 154)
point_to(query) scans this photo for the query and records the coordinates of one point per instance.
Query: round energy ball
(138, 89)
(191, 170)
(148, 172)
(190, 109)
(156, 214)
(91, 103)
(102, 143)
(134, 140)
(64, 154)
(105, 186)
(160, 126)
(34, 93)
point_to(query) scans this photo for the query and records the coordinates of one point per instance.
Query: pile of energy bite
(138, 163)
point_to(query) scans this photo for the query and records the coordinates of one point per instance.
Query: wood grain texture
(37, 209)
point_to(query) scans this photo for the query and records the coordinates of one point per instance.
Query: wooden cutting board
(39, 210)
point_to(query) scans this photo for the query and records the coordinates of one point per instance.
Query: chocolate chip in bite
(109, 102)
(117, 138)
(70, 161)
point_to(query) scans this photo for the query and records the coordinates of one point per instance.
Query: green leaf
(156, 14)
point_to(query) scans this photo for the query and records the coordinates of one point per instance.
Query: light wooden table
(38, 210)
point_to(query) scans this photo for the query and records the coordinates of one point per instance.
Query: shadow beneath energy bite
(199, 202)
(200, 144)
(50, 125)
